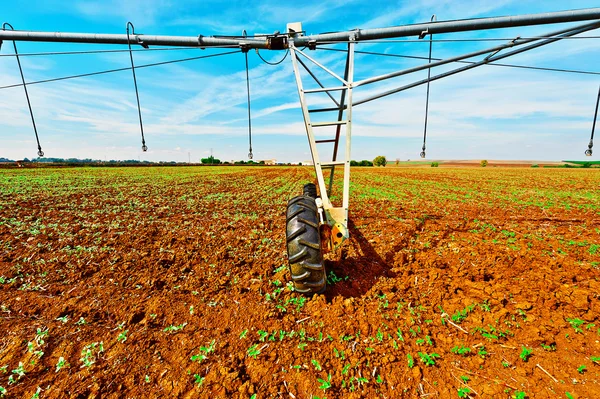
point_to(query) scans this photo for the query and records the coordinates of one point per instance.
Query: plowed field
(173, 282)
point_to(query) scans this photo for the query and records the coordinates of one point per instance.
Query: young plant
(198, 379)
(90, 352)
(460, 350)
(428, 359)
(325, 384)
(60, 364)
(464, 392)
(316, 365)
(122, 337)
(173, 328)
(253, 351)
(525, 353)
(576, 324)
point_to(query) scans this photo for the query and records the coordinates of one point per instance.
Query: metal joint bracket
(277, 42)
(141, 42)
(312, 45)
(510, 44)
(424, 33)
(244, 47)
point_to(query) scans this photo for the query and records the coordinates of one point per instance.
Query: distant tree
(210, 160)
(380, 161)
(397, 161)
(535, 165)
(354, 163)
(435, 164)
(484, 163)
(364, 162)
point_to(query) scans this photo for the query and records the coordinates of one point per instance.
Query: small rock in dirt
(524, 305)
(416, 372)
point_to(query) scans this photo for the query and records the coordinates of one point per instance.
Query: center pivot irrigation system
(314, 225)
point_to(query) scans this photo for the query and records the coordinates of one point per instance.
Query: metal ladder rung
(325, 141)
(332, 163)
(325, 89)
(323, 110)
(334, 123)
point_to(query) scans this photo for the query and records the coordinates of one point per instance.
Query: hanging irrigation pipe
(457, 40)
(83, 75)
(84, 52)
(137, 95)
(433, 18)
(245, 51)
(414, 57)
(273, 63)
(588, 152)
(37, 138)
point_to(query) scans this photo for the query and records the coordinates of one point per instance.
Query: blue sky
(193, 107)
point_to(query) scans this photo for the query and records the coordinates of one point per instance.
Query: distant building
(268, 161)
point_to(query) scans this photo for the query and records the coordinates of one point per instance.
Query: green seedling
(595, 359)
(198, 379)
(61, 364)
(411, 360)
(581, 369)
(316, 364)
(243, 334)
(481, 351)
(253, 351)
(428, 359)
(19, 371)
(89, 353)
(464, 392)
(460, 350)
(576, 324)
(549, 348)
(519, 395)
(325, 384)
(525, 353)
(175, 328)
(122, 337)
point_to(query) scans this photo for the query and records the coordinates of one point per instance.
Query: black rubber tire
(304, 246)
(310, 190)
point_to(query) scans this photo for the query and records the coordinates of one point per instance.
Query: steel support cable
(588, 152)
(137, 95)
(414, 57)
(245, 51)
(37, 138)
(427, 99)
(552, 39)
(83, 75)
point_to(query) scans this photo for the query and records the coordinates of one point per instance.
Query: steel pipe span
(352, 35)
